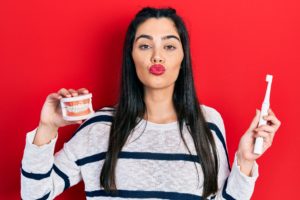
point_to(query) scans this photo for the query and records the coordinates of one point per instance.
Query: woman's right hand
(51, 115)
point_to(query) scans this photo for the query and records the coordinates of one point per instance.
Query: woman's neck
(160, 107)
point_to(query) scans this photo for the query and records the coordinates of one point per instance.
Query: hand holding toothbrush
(258, 138)
(245, 152)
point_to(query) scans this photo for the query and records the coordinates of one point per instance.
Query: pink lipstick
(157, 69)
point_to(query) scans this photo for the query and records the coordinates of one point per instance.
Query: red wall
(46, 45)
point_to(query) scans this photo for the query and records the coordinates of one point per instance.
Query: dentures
(77, 108)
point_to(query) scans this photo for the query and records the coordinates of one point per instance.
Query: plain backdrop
(47, 45)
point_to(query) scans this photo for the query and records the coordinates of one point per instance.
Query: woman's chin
(159, 86)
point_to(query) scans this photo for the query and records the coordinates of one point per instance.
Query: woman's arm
(45, 175)
(239, 182)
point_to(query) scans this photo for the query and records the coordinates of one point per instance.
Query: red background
(47, 45)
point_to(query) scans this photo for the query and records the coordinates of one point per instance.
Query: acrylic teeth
(78, 108)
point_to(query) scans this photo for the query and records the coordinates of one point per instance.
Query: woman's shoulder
(216, 125)
(213, 117)
(101, 116)
(210, 113)
(101, 120)
(106, 111)
(92, 134)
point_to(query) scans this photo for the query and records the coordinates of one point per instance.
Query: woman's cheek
(175, 74)
(141, 73)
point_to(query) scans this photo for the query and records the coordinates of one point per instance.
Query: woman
(157, 142)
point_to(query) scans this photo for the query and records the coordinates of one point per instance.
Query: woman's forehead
(157, 27)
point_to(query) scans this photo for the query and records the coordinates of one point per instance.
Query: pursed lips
(157, 69)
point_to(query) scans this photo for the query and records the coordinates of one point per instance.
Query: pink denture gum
(77, 108)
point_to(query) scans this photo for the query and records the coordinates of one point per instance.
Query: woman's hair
(131, 106)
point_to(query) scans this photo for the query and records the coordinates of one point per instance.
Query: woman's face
(157, 53)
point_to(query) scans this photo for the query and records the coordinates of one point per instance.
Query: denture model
(77, 108)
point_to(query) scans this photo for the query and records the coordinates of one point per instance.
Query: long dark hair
(131, 106)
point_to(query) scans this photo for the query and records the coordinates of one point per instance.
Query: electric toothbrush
(258, 146)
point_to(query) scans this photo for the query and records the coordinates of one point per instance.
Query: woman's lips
(157, 69)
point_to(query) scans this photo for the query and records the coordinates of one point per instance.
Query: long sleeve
(237, 185)
(43, 175)
(233, 184)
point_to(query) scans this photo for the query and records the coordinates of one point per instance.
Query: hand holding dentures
(52, 115)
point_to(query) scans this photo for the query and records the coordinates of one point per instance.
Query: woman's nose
(157, 57)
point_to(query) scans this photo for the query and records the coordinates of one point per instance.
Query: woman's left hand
(245, 154)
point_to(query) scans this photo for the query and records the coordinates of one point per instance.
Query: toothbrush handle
(259, 141)
(264, 112)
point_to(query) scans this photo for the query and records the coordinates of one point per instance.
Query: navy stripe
(144, 194)
(140, 155)
(221, 138)
(100, 118)
(90, 159)
(106, 110)
(44, 197)
(35, 176)
(224, 193)
(63, 176)
(158, 156)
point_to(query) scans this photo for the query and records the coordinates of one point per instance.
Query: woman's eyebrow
(171, 36)
(144, 36)
(163, 38)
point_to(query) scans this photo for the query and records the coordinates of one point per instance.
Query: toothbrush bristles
(269, 78)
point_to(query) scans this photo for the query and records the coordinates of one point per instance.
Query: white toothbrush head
(269, 78)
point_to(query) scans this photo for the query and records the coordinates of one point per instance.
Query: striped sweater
(153, 164)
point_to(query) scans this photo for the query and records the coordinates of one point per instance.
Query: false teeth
(77, 108)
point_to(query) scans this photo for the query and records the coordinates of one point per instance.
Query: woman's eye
(144, 46)
(170, 47)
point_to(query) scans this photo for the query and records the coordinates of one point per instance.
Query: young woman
(158, 142)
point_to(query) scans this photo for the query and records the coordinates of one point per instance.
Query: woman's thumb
(255, 120)
(53, 97)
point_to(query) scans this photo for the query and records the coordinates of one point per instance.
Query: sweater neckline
(154, 125)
